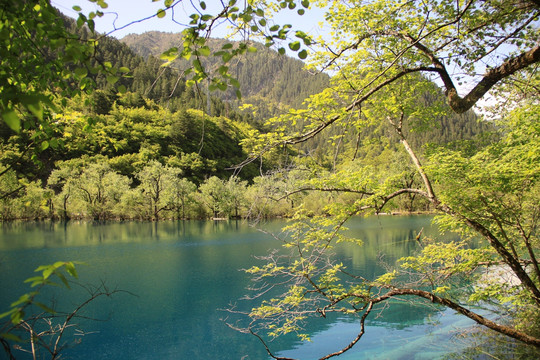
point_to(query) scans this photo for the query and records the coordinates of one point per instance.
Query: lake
(181, 275)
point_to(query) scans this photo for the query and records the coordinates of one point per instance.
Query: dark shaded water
(183, 273)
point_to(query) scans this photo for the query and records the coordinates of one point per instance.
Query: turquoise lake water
(181, 275)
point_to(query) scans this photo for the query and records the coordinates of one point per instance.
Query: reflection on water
(183, 273)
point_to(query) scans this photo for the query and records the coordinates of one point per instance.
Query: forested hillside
(146, 130)
(270, 82)
(147, 79)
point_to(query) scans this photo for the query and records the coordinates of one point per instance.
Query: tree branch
(490, 78)
(505, 330)
(358, 337)
(324, 189)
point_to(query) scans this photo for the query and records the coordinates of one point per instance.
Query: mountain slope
(269, 81)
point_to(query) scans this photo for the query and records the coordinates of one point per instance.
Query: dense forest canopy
(391, 130)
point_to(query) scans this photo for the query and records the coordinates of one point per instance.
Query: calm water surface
(181, 274)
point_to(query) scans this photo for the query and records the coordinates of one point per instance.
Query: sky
(120, 13)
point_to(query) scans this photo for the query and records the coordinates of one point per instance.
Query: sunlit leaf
(294, 46)
(44, 145)
(12, 120)
(70, 268)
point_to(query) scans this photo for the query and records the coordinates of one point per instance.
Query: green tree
(36, 202)
(157, 183)
(236, 190)
(100, 189)
(215, 195)
(63, 183)
(183, 192)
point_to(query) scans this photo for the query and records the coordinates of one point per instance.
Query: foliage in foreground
(35, 325)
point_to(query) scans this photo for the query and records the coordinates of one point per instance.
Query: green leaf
(204, 51)
(169, 55)
(17, 316)
(81, 72)
(223, 70)
(294, 46)
(36, 109)
(48, 272)
(303, 54)
(234, 83)
(34, 279)
(12, 120)
(197, 66)
(203, 5)
(76, 8)
(81, 20)
(25, 298)
(44, 145)
(63, 279)
(70, 268)
(161, 13)
(11, 337)
(112, 79)
(7, 313)
(45, 307)
(58, 264)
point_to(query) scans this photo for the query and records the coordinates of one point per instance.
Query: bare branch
(267, 348)
(324, 189)
(358, 337)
